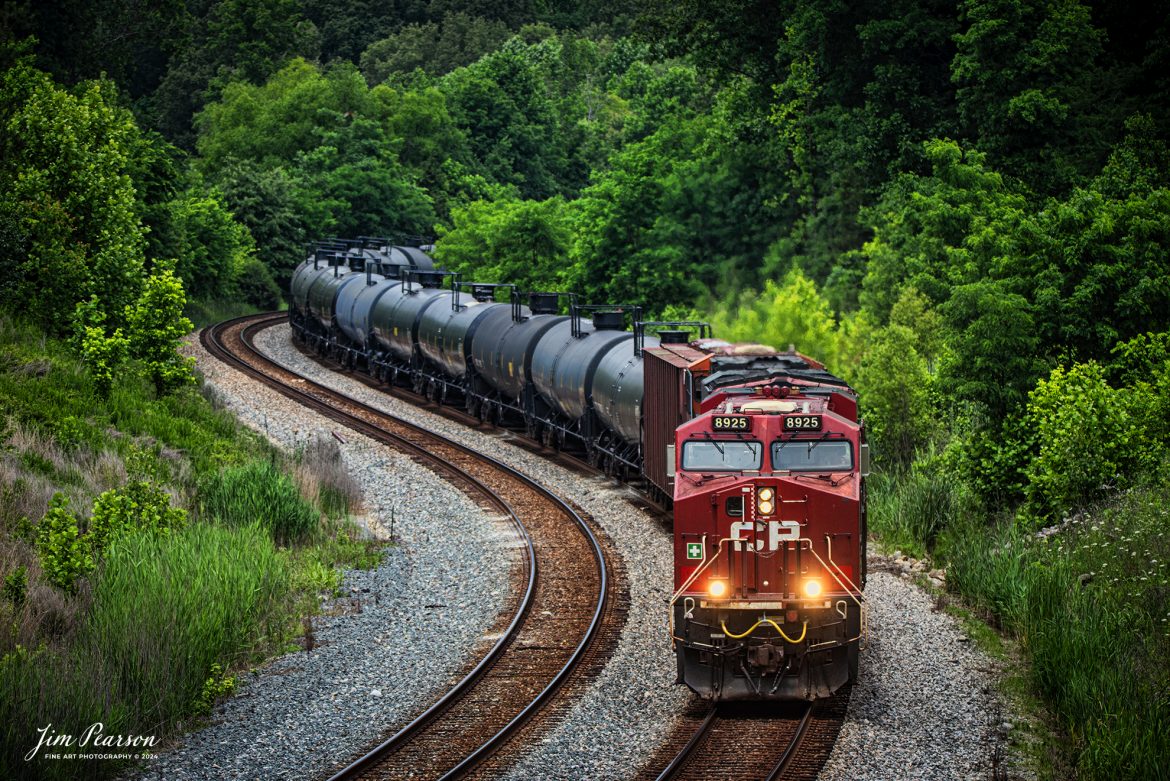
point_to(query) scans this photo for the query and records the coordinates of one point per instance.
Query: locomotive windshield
(721, 455)
(798, 455)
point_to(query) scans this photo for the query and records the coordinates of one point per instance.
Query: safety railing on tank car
(640, 326)
(616, 320)
(540, 302)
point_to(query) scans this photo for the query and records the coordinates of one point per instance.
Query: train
(760, 454)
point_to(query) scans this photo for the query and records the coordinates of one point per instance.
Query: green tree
(792, 312)
(1028, 81)
(67, 203)
(155, 326)
(265, 201)
(232, 40)
(328, 131)
(460, 39)
(211, 247)
(993, 357)
(960, 224)
(912, 310)
(1098, 265)
(525, 243)
(894, 387)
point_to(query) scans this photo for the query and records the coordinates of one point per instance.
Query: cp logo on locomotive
(777, 532)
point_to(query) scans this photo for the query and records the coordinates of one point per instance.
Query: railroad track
(757, 742)
(554, 626)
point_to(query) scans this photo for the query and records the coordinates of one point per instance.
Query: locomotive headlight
(717, 588)
(812, 588)
(765, 501)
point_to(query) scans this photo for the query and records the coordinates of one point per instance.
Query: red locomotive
(766, 468)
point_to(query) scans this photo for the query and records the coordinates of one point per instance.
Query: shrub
(218, 685)
(1086, 439)
(257, 286)
(65, 557)
(16, 586)
(139, 505)
(155, 324)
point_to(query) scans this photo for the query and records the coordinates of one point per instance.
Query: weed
(1091, 607)
(322, 476)
(16, 586)
(217, 686)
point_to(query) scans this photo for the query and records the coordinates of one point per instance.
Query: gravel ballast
(925, 706)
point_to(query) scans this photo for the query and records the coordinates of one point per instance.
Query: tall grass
(164, 608)
(259, 493)
(321, 474)
(908, 512)
(1091, 606)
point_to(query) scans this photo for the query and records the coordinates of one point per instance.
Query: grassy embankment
(188, 549)
(1088, 603)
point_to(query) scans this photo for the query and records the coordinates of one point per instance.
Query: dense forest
(961, 206)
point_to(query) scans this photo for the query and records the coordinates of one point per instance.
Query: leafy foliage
(68, 202)
(791, 313)
(154, 325)
(139, 506)
(895, 390)
(63, 553)
(1085, 438)
(524, 243)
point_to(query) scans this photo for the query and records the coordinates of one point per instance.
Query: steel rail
(680, 759)
(212, 341)
(793, 745)
(692, 751)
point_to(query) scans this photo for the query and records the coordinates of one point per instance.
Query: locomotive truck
(759, 453)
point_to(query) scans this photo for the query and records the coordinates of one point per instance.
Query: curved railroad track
(757, 742)
(555, 625)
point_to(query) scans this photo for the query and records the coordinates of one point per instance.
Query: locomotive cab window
(812, 455)
(716, 455)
